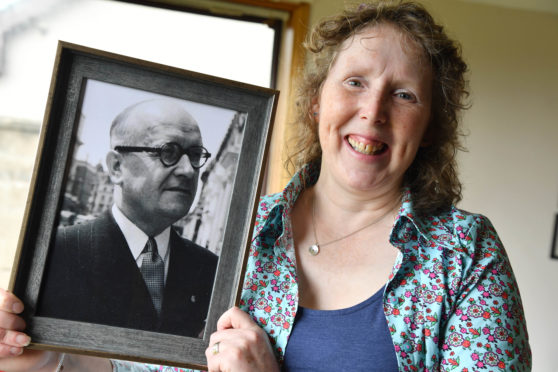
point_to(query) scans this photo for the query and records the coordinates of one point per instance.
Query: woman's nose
(374, 107)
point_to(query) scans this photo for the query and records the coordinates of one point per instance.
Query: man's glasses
(171, 152)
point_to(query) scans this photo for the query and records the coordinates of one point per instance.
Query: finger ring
(215, 348)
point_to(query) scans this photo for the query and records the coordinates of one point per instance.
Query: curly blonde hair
(432, 177)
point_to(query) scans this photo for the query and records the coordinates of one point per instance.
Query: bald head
(152, 194)
(132, 124)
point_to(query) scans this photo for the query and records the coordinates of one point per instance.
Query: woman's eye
(354, 83)
(404, 95)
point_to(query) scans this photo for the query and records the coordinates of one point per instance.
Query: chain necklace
(314, 249)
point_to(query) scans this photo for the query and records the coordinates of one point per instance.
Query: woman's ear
(114, 165)
(315, 108)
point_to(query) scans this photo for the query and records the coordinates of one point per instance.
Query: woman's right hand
(13, 355)
(239, 344)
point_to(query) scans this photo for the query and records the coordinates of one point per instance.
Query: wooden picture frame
(75, 116)
(554, 246)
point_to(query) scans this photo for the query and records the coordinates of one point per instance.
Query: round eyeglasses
(171, 152)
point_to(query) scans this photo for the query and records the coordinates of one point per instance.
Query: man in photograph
(128, 267)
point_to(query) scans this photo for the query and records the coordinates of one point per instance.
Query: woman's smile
(367, 148)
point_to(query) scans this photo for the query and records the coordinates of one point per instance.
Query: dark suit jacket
(91, 276)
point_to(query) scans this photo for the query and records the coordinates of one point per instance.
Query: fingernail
(23, 340)
(15, 351)
(17, 307)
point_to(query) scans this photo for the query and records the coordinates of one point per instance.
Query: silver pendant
(314, 249)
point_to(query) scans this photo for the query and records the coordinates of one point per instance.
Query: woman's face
(373, 110)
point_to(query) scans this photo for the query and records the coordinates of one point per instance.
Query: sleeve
(125, 366)
(485, 329)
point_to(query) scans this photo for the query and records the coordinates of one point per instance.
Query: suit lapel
(120, 271)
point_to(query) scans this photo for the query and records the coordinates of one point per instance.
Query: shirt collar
(427, 229)
(305, 177)
(405, 221)
(136, 238)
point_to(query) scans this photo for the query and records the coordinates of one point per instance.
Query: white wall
(510, 173)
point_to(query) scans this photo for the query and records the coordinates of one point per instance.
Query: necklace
(314, 249)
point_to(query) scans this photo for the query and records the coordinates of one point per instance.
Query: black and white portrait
(141, 208)
(143, 213)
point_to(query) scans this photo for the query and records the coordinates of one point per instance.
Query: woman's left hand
(239, 345)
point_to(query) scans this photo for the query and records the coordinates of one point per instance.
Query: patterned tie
(153, 272)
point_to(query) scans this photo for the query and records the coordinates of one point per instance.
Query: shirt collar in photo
(136, 238)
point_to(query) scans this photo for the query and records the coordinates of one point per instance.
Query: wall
(510, 170)
(18, 145)
(510, 173)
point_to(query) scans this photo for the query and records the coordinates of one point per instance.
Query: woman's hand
(239, 345)
(13, 356)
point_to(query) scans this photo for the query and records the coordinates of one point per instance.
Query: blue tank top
(352, 339)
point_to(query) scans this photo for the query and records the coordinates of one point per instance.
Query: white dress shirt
(137, 239)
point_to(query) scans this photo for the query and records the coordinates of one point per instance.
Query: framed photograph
(554, 247)
(141, 207)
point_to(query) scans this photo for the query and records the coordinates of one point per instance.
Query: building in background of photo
(206, 222)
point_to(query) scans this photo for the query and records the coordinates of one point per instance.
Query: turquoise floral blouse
(451, 301)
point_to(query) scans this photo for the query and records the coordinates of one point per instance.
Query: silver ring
(215, 348)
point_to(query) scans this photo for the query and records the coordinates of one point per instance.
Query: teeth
(366, 149)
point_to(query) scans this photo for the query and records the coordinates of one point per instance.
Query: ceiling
(549, 6)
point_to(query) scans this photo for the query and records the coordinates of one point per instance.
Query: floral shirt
(451, 301)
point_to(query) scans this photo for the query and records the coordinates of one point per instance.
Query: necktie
(153, 272)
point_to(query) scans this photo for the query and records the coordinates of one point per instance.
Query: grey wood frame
(74, 64)
(554, 246)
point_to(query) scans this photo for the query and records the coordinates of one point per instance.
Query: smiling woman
(433, 171)
(374, 115)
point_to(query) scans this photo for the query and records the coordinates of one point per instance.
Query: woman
(363, 262)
